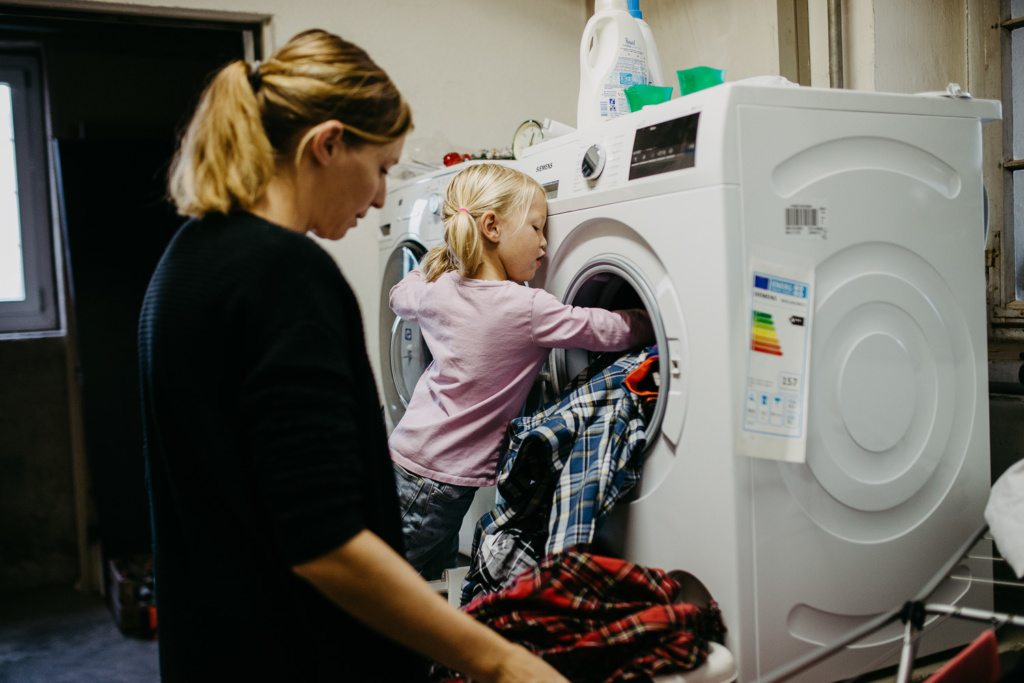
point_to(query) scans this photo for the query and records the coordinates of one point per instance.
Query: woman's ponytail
(225, 159)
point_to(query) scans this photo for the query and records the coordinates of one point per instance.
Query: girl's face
(355, 182)
(522, 248)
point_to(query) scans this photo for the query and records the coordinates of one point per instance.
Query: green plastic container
(639, 96)
(698, 78)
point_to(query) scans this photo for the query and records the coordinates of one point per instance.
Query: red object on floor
(976, 663)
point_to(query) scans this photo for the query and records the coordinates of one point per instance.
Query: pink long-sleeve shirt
(489, 340)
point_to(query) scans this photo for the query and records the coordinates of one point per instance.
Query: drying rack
(912, 614)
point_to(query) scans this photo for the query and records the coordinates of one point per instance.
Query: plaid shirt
(565, 468)
(598, 619)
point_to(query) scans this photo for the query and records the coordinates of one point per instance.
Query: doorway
(119, 88)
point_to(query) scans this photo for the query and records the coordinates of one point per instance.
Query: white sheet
(1005, 516)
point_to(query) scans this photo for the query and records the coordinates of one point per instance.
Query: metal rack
(912, 614)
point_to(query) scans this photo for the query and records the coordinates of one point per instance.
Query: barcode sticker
(806, 220)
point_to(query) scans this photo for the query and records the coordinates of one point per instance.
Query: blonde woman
(275, 518)
(489, 336)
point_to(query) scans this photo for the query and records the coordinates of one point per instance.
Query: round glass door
(612, 283)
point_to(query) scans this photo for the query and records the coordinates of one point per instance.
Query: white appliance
(813, 262)
(410, 225)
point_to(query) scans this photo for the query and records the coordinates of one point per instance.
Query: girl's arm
(404, 297)
(558, 325)
(373, 583)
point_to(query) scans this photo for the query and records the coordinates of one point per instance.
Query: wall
(38, 543)
(740, 37)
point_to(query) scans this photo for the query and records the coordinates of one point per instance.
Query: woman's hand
(522, 666)
(373, 583)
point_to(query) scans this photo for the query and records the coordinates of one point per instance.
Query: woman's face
(354, 182)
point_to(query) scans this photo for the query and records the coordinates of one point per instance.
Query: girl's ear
(326, 141)
(488, 224)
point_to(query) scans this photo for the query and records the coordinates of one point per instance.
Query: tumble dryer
(813, 263)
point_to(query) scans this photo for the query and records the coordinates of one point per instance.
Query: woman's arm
(373, 583)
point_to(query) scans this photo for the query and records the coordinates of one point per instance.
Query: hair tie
(466, 210)
(255, 76)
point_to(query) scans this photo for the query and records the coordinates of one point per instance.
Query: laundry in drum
(583, 451)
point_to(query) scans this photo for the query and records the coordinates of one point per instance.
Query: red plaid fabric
(599, 619)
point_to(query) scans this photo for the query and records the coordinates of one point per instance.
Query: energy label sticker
(774, 421)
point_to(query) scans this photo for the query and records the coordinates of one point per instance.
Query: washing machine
(813, 263)
(410, 225)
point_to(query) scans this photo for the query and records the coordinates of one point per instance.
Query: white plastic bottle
(612, 58)
(655, 76)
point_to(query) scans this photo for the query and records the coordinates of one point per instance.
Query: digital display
(664, 147)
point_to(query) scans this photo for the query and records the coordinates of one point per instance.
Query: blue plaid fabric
(565, 468)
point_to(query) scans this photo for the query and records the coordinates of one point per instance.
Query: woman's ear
(326, 141)
(488, 223)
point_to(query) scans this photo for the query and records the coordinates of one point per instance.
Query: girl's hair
(472, 192)
(248, 119)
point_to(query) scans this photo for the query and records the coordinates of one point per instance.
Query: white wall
(740, 36)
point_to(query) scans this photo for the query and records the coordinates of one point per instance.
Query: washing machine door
(403, 353)
(599, 260)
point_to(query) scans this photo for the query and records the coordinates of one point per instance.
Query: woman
(276, 536)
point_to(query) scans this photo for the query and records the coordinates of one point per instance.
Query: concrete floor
(61, 636)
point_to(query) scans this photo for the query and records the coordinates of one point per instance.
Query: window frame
(1003, 264)
(41, 313)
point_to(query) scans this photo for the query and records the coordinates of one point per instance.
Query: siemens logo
(544, 167)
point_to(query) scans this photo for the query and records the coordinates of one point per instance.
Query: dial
(528, 133)
(593, 163)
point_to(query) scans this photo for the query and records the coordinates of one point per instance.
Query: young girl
(489, 336)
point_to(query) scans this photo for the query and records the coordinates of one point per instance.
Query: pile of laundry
(601, 620)
(532, 577)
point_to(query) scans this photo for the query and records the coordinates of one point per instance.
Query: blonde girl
(489, 336)
(275, 520)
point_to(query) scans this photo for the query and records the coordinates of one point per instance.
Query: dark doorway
(119, 90)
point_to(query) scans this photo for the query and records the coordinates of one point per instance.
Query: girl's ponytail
(437, 262)
(462, 250)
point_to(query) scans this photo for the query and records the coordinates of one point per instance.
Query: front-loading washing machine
(411, 223)
(813, 262)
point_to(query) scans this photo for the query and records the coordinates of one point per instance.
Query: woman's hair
(250, 118)
(472, 192)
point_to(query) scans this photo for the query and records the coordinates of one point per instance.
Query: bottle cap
(605, 5)
(633, 7)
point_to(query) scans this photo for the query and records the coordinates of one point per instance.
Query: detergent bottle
(612, 58)
(654, 75)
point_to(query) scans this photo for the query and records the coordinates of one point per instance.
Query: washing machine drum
(403, 353)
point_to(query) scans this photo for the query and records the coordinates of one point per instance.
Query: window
(28, 290)
(1014, 164)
